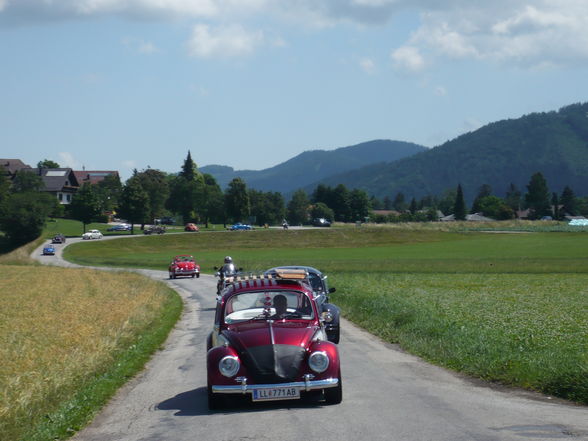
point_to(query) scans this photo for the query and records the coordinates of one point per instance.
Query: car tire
(172, 276)
(193, 275)
(198, 275)
(333, 336)
(334, 395)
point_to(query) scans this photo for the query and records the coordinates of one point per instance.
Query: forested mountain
(313, 165)
(504, 152)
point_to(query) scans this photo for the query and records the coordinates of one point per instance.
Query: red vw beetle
(183, 265)
(269, 343)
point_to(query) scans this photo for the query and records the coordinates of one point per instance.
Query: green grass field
(385, 250)
(505, 307)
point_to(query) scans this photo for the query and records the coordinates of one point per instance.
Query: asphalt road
(387, 395)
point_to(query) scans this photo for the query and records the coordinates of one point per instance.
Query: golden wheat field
(58, 326)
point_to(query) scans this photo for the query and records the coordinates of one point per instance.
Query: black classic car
(318, 281)
(58, 238)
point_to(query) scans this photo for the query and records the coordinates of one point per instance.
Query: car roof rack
(283, 275)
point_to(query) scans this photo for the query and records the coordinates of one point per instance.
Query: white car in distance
(92, 234)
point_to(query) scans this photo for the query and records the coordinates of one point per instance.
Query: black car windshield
(316, 282)
(268, 305)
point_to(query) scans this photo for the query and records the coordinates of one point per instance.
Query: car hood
(272, 351)
(185, 265)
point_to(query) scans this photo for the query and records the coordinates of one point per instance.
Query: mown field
(69, 339)
(505, 307)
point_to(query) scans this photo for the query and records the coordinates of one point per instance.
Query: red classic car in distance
(269, 343)
(183, 265)
(191, 227)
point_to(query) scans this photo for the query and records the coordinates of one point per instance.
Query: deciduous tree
(298, 208)
(320, 210)
(23, 215)
(85, 205)
(134, 203)
(495, 207)
(47, 163)
(155, 184)
(24, 181)
(237, 203)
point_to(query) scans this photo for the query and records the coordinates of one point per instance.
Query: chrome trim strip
(301, 385)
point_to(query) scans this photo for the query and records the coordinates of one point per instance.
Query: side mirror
(331, 290)
(216, 268)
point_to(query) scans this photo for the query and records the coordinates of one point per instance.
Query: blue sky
(123, 84)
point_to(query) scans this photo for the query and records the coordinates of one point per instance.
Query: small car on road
(321, 222)
(58, 238)
(191, 227)
(240, 226)
(49, 250)
(92, 234)
(154, 229)
(183, 265)
(119, 227)
(269, 343)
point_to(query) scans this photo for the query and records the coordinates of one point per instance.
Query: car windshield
(316, 282)
(184, 259)
(262, 305)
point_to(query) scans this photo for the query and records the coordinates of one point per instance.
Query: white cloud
(367, 65)
(223, 41)
(66, 159)
(141, 46)
(440, 91)
(408, 59)
(545, 33)
(470, 124)
(528, 33)
(199, 90)
(152, 9)
(147, 48)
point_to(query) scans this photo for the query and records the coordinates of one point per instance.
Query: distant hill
(311, 166)
(553, 143)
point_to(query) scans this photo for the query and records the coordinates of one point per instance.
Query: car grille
(273, 363)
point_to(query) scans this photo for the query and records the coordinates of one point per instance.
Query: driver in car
(281, 306)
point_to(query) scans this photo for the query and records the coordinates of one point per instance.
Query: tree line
(196, 197)
(537, 203)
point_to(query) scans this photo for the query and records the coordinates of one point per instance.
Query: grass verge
(69, 339)
(521, 330)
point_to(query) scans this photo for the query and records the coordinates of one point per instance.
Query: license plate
(278, 393)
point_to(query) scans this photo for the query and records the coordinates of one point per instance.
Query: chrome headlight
(229, 366)
(318, 361)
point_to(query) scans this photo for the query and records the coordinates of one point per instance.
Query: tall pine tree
(537, 197)
(459, 209)
(568, 200)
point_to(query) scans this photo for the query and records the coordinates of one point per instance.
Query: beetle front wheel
(334, 395)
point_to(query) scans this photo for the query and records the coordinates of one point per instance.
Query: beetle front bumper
(244, 388)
